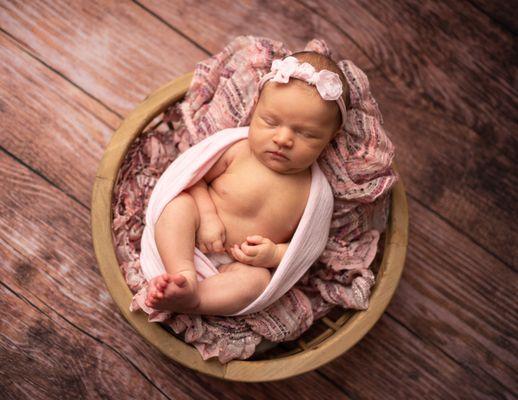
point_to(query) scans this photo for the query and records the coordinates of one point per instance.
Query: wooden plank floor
(444, 74)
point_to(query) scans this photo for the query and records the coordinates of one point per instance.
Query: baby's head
(293, 119)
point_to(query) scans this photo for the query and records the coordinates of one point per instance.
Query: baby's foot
(156, 289)
(173, 292)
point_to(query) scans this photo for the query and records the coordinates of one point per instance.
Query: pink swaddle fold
(306, 245)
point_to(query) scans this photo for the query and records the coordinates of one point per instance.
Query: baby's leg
(236, 286)
(175, 233)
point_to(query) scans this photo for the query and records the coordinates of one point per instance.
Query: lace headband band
(328, 84)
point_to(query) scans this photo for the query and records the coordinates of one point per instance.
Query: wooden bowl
(338, 336)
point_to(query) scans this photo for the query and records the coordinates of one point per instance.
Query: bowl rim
(389, 274)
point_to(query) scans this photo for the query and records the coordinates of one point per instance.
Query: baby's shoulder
(237, 150)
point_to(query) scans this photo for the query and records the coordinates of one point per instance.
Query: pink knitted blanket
(357, 165)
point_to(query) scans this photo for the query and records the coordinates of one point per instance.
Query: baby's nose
(283, 137)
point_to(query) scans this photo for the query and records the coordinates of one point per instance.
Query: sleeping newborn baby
(249, 204)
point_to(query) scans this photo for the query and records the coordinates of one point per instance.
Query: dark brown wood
(451, 68)
(503, 13)
(442, 74)
(397, 365)
(215, 23)
(459, 298)
(43, 356)
(49, 124)
(114, 50)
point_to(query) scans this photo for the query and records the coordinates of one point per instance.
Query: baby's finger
(249, 250)
(234, 255)
(237, 257)
(256, 239)
(203, 248)
(233, 251)
(240, 255)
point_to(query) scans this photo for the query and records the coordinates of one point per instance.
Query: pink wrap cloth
(306, 245)
(357, 165)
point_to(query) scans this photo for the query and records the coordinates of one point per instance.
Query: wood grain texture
(49, 123)
(48, 258)
(502, 13)
(216, 22)
(114, 50)
(442, 331)
(456, 173)
(391, 362)
(459, 298)
(43, 356)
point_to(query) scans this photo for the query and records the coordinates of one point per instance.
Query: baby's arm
(200, 193)
(210, 236)
(280, 251)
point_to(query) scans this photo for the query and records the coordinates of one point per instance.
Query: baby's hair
(320, 62)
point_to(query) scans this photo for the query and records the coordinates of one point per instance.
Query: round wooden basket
(334, 335)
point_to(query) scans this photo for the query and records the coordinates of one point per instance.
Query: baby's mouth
(278, 155)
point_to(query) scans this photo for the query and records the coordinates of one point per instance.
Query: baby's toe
(160, 280)
(151, 301)
(179, 279)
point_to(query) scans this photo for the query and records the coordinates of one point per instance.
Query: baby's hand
(210, 237)
(256, 251)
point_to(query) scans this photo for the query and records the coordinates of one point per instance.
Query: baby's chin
(285, 168)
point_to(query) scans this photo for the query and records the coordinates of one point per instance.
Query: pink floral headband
(328, 83)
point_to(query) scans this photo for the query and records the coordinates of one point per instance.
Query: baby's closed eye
(307, 134)
(268, 121)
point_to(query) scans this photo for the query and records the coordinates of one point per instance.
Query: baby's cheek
(314, 150)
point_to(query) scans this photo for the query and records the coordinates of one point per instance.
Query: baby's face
(292, 120)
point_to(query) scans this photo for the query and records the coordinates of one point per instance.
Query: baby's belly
(239, 225)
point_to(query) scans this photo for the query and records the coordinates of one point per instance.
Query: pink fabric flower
(284, 69)
(329, 85)
(306, 72)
